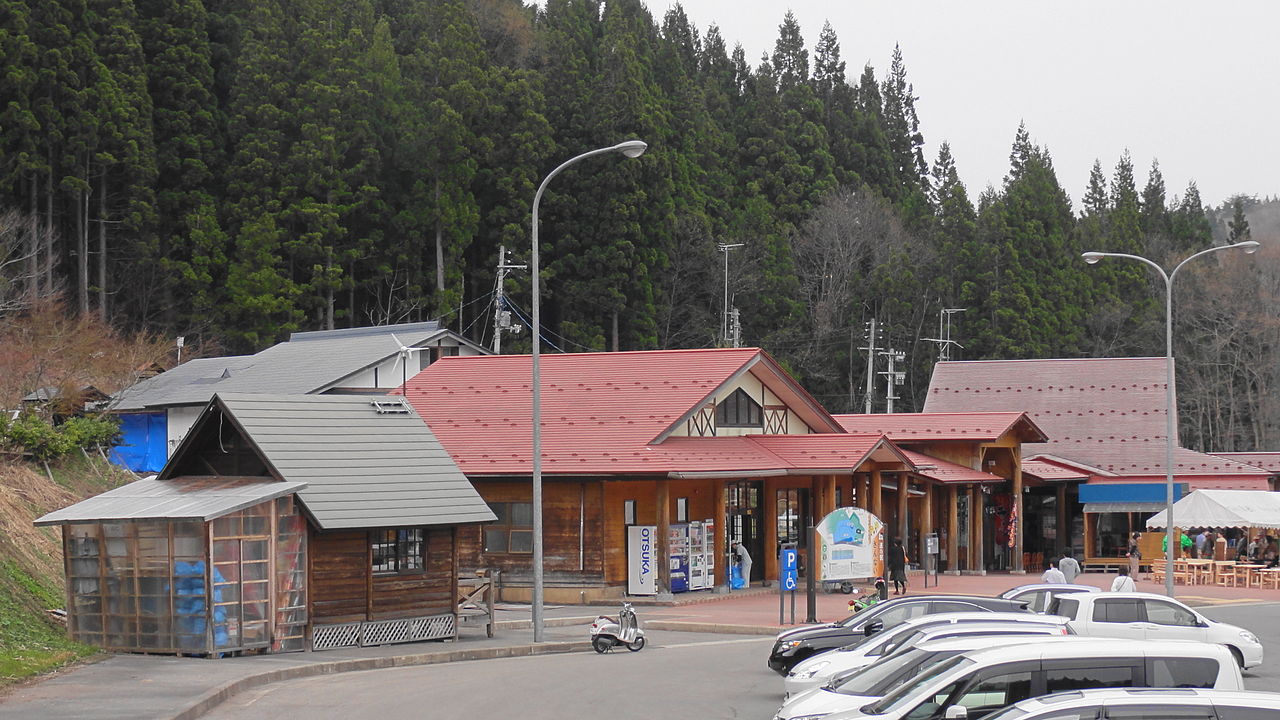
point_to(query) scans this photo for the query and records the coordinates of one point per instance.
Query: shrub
(38, 437)
(89, 432)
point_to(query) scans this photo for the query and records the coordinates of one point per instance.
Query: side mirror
(872, 628)
(956, 712)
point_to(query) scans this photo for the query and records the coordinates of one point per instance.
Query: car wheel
(1239, 656)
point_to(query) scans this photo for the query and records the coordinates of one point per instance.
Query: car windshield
(866, 612)
(863, 643)
(905, 638)
(878, 678)
(907, 692)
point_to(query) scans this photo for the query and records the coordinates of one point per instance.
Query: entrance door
(793, 519)
(743, 513)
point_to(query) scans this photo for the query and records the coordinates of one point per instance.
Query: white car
(1037, 596)
(977, 684)
(1146, 616)
(817, 670)
(881, 678)
(1146, 704)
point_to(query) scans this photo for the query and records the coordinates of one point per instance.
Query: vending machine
(678, 544)
(699, 577)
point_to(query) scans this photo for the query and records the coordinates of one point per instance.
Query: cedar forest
(232, 171)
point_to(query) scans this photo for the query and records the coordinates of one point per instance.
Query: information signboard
(851, 545)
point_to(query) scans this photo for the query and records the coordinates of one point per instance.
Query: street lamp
(631, 149)
(1249, 246)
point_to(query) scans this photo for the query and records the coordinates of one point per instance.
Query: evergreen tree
(1154, 214)
(902, 126)
(1190, 229)
(1239, 224)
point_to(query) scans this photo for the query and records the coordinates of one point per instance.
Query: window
(1245, 713)
(1162, 712)
(397, 551)
(900, 614)
(994, 691)
(949, 606)
(513, 532)
(1078, 678)
(738, 410)
(628, 512)
(1166, 613)
(1117, 611)
(1065, 607)
(682, 509)
(1182, 672)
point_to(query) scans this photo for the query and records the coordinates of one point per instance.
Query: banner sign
(642, 561)
(851, 545)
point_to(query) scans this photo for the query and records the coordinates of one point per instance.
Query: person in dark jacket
(898, 567)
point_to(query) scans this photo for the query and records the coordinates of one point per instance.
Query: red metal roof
(947, 472)
(600, 411)
(1044, 470)
(829, 451)
(1269, 461)
(980, 426)
(1107, 413)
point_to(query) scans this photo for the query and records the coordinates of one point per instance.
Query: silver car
(1145, 704)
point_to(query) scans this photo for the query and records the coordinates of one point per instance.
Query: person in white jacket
(1053, 574)
(1123, 583)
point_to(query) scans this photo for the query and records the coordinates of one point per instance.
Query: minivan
(976, 684)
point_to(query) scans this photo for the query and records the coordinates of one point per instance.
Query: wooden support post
(926, 518)
(828, 505)
(864, 488)
(721, 574)
(664, 539)
(953, 531)
(977, 516)
(770, 560)
(1022, 519)
(904, 490)
(873, 495)
(1064, 531)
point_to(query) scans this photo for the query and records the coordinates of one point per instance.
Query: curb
(216, 697)
(719, 628)
(546, 622)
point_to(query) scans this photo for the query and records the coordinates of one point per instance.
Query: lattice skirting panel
(383, 632)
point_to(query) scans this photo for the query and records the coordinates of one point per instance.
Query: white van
(977, 684)
(1146, 704)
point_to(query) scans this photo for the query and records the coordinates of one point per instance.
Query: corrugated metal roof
(1269, 461)
(947, 472)
(1048, 471)
(981, 426)
(187, 498)
(362, 468)
(307, 363)
(601, 412)
(1108, 413)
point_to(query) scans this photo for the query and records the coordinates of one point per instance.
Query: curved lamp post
(1249, 246)
(631, 149)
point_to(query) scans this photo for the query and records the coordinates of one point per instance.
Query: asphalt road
(679, 675)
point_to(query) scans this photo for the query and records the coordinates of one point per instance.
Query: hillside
(31, 572)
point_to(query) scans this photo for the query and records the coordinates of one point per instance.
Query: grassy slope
(31, 572)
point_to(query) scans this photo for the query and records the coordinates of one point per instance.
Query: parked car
(792, 646)
(1146, 616)
(976, 684)
(818, 669)
(1146, 704)
(880, 678)
(1038, 596)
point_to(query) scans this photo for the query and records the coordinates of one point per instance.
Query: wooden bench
(475, 600)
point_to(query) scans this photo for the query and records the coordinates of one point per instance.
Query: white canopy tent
(1223, 509)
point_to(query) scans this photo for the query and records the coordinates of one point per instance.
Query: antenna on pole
(501, 315)
(724, 319)
(944, 334)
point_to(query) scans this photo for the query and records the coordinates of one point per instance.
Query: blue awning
(1145, 493)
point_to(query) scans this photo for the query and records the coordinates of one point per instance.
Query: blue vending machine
(678, 542)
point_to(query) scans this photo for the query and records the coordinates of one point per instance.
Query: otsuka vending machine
(678, 545)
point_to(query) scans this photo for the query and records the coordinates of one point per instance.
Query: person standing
(898, 567)
(1053, 574)
(1200, 541)
(1123, 583)
(1135, 554)
(744, 563)
(1069, 566)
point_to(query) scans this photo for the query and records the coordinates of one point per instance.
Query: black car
(794, 646)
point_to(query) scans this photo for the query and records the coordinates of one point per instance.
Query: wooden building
(280, 523)
(661, 438)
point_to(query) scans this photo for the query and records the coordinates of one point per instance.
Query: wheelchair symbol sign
(787, 566)
(789, 582)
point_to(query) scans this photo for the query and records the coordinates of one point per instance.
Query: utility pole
(944, 336)
(892, 377)
(735, 327)
(501, 315)
(871, 336)
(724, 320)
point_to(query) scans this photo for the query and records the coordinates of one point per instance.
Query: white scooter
(607, 633)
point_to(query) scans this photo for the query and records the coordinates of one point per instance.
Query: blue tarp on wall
(143, 444)
(1129, 492)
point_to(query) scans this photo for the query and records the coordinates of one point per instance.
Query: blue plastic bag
(735, 578)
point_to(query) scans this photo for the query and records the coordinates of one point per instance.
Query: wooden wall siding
(344, 588)
(339, 577)
(702, 496)
(570, 556)
(416, 594)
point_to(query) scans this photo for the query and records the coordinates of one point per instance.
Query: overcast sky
(1194, 85)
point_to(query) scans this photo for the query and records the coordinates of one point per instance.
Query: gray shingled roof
(362, 468)
(309, 362)
(188, 498)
